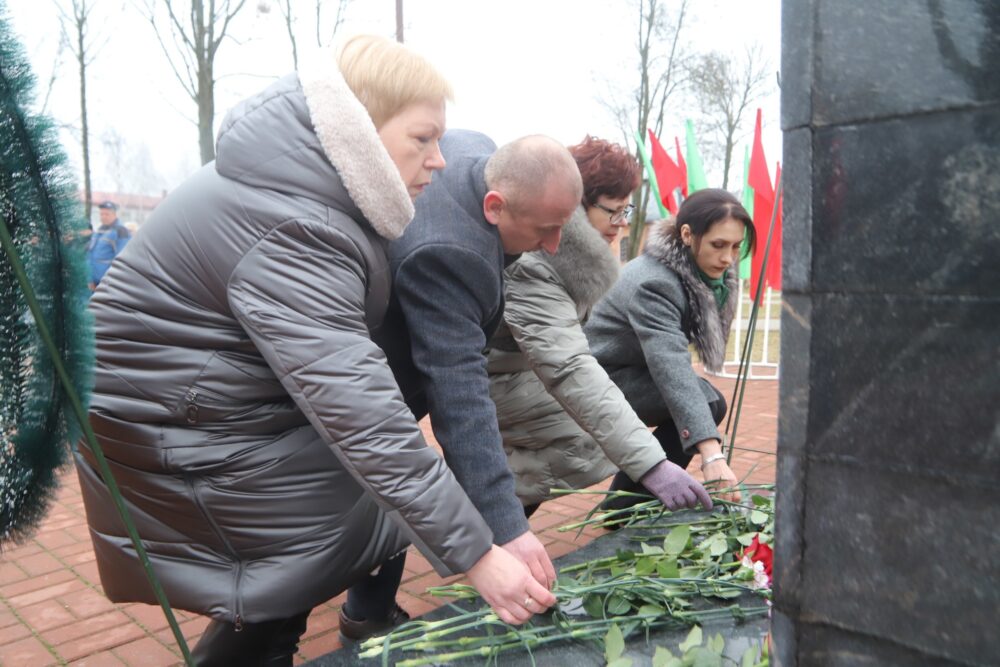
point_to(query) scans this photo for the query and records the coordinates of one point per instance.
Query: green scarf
(717, 285)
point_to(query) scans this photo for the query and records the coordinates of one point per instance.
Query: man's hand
(530, 551)
(508, 587)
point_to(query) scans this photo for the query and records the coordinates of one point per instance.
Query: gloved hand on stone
(674, 487)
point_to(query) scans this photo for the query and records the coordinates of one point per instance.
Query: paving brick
(53, 539)
(10, 573)
(107, 659)
(83, 628)
(46, 614)
(99, 642)
(319, 645)
(27, 651)
(39, 563)
(149, 616)
(147, 652)
(34, 595)
(13, 632)
(86, 602)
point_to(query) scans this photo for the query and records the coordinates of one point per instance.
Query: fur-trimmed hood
(584, 261)
(706, 325)
(309, 135)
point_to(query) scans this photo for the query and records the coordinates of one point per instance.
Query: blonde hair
(386, 77)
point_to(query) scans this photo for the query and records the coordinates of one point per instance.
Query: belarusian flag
(763, 201)
(668, 174)
(696, 179)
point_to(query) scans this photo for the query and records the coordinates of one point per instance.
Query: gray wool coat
(256, 431)
(447, 303)
(641, 330)
(564, 422)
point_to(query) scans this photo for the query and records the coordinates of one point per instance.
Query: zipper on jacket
(237, 602)
(192, 407)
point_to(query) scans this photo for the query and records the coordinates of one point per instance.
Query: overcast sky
(518, 67)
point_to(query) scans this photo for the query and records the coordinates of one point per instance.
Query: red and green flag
(669, 177)
(696, 179)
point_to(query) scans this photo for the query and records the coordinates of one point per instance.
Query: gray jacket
(564, 422)
(641, 330)
(255, 429)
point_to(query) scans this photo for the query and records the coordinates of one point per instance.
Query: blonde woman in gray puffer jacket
(257, 434)
(563, 421)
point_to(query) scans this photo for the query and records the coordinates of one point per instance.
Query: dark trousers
(273, 643)
(666, 434)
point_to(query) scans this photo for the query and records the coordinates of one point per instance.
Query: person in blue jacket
(106, 242)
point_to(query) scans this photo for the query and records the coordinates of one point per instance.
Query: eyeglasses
(620, 216)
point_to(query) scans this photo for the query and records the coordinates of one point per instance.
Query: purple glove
(674, 487)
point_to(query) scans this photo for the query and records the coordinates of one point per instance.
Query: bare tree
(725, 87)
(325, 33)
(76, 35)
(661, 69)
(190, 38)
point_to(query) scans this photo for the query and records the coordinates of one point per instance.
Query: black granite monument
(888, 533)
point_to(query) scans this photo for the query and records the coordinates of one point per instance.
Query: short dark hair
(706, 207)
(607, 169)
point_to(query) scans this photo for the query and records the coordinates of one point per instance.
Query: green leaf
(621, 662)
(758, 517)
(664, 658)
(703, 657)
(693, 639)
(749, 657)
(645, 567)
(746, 538)
(593, 604)
(625, 555)
(648, 550)
(690, 572)
(715, 545)
(716, 644)
(667, 569)
(617, 570)
(677, 539)
(614, 643)
(650, 608)
(760, 501)
(618, 604)
(724, 593)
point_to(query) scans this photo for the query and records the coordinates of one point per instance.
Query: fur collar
(706, 325)
(351, 143)
(584, 261)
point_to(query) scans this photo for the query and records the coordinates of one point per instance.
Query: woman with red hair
(564, 422)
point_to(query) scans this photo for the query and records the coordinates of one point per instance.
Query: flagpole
(767, 324)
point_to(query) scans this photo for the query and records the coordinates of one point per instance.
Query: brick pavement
(52, 611)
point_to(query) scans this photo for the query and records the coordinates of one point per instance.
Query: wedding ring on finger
(527, 602)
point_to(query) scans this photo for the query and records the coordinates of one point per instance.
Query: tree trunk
(206, 113)
(81, 26)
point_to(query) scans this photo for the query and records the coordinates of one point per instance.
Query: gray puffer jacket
(255, 430)
(640, 332)
(564, 422)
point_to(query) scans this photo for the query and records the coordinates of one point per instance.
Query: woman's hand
(509, 587)
(718, 475)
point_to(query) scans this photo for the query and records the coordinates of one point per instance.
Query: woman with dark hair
(564, 422)
(680, 291)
